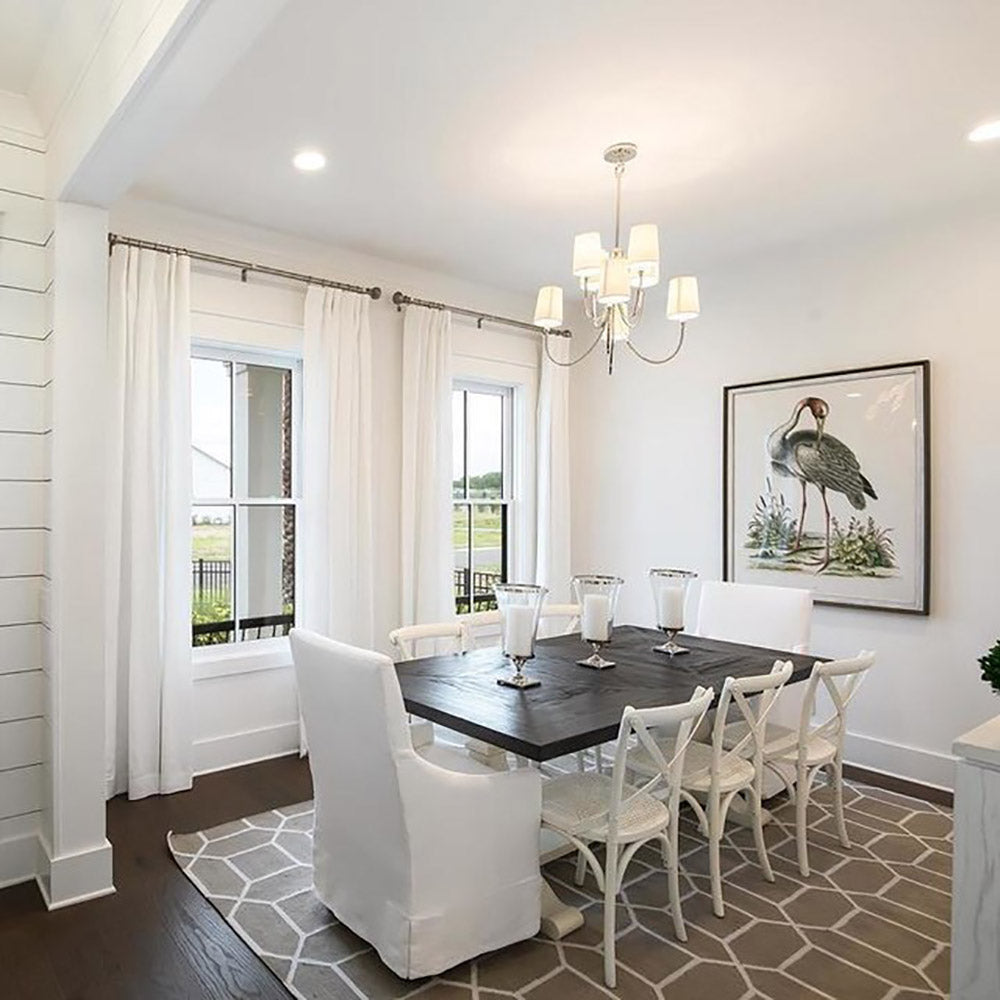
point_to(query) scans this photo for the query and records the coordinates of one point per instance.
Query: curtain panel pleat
(426, 559)
(148, 553)
(553, 565)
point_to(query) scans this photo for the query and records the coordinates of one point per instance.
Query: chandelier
(614, 282)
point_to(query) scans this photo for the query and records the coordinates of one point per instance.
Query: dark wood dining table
(574, 707)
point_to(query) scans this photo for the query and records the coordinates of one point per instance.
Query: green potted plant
(990, 664)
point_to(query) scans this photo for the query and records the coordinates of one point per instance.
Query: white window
(482, 491)
(244, 436)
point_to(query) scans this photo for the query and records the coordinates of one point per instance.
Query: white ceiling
(468, 136)
(24, 25)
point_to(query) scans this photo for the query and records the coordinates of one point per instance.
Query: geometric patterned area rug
(870, 923)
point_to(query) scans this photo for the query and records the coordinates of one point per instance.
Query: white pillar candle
(595, 617)
(519, 632)
(670, 607)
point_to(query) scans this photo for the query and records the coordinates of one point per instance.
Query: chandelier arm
(659, 361)
(574, 361)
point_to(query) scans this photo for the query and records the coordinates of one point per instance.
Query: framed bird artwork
(826, 485)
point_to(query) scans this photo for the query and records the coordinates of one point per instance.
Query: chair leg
(581, 868)
(674, 881)
(838, 801)
(610, 895)
(714, 860)
(801, 816)
(581, 761)
(758, 835)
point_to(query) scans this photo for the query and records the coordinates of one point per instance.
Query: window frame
(230, 653)
(509, 478)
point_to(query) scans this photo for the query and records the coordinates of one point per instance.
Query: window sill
(241, 658)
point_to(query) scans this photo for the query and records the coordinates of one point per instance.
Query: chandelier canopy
(614, 282)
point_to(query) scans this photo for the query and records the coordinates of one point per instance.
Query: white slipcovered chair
(774, 617)
(591, 808)
(807, 749)
(718, 774)
(429, 865)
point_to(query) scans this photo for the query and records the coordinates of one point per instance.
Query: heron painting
(824, 461)
(825, 485)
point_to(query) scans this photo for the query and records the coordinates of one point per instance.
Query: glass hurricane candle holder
(519, 605)
(597, 596)
(669, 598)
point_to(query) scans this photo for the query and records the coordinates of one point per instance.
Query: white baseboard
(928, 767)
(18, 859)
(234, 749)
(67, 879)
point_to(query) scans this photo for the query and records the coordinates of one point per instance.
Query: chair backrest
(478, 622)
(451, 637)
(558, 619)
(737, 692)
(683, 720)
(350, 699)
(841, 680)
(775, 617)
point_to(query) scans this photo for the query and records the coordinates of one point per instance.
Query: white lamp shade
(549, 307)
(644, 277)
(682, 298)
(643, 245)
(614, 288)
(587, 255)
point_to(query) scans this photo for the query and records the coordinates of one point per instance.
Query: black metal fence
(481, 596)
(211, 578)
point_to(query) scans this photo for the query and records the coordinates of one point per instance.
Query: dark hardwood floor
(156, 936)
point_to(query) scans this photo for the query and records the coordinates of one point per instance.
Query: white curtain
(425, 529)
(148, 551)
(336, 539)
(552, 543)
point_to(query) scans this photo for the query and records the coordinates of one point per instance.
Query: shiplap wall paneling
(21, 790)
(23, 265)
(24, 218)
(23, 505)
(21, 743)
(21, 696)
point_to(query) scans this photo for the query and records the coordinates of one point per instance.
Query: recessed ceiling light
(985, 132)
(309, 160)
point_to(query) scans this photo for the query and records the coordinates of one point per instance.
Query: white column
(975, 911)
(76, 862)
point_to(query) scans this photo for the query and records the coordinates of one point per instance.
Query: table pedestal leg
(558, 918)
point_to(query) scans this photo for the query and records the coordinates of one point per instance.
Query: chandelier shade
(549, 307)
(682, 298)
(614, 282)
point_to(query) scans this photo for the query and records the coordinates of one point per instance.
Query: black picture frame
(921, 371)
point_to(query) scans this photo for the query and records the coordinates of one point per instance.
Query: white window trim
(522, 380)
(251, 655)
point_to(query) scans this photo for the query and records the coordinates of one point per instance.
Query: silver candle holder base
(519, 679)
(670, 647)
(595, 661)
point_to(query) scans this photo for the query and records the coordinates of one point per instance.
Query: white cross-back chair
(590, 807)
(718, 775)
(455, 638)
(551, 613)
(774, 617)
(808, 749)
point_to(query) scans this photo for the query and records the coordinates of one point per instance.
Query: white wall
(25, 426)
(243, 715)
(647, 454)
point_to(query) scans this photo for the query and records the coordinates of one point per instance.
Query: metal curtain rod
(402, 299)
(245, 267)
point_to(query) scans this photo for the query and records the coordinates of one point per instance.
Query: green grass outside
(212, 541)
